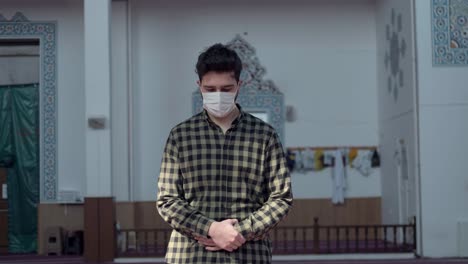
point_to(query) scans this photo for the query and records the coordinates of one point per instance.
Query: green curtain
(19, 141)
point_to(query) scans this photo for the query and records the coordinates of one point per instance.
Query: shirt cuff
(203, 226)
(244, 229)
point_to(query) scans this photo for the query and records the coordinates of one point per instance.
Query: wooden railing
(315, 239)
(142, 242)
(328, 239)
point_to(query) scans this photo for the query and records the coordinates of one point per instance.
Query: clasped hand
(223, 236)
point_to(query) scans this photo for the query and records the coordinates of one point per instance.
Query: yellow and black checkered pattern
(207, 175)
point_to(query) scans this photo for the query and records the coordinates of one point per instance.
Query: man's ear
(238, 91)
(199, 85)
(239, 84)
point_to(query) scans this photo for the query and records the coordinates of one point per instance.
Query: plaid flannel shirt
(207, 175)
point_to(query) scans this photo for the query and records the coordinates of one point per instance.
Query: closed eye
(209, 89)
(227, 88)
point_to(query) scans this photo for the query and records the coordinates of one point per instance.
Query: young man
(223, 182)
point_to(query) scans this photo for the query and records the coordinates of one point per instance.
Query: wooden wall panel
(91, 225)
(125, 214)
(68, 216)
(99, 235)
(147, 216)
(106, 218)
(355, 211)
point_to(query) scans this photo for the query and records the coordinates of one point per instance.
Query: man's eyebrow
(224, 86)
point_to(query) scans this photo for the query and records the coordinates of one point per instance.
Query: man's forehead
(218, 76)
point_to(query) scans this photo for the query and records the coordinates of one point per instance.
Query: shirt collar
(233, 124)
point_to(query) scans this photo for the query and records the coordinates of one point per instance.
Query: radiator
(462, 231)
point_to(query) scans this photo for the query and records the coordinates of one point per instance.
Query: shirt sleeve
(279, 202)
(171, 203)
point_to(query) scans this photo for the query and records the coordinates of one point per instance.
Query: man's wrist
(242, 228)
(202, 226)
(211, 228)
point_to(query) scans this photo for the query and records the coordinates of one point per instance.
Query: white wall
(396, 113)
(322, 55)
(70, 81)
(443, 107)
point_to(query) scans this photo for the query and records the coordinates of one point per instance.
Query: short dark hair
(219, 58)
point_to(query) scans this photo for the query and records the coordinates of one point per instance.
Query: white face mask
(219, 104)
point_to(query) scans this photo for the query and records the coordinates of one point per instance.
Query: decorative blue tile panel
(450, 32)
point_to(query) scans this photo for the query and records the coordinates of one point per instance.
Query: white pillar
(120, 99)
(97, 94)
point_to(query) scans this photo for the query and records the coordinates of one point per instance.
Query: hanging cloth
(19, 149)
(375, 161)
(353, 152)
(318, 159)
(298, 162)
(363, 162)
(290, 160)
(339, 178)
(308, 159)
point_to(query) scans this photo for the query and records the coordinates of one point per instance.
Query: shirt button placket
(224, 172)
(221, 175)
